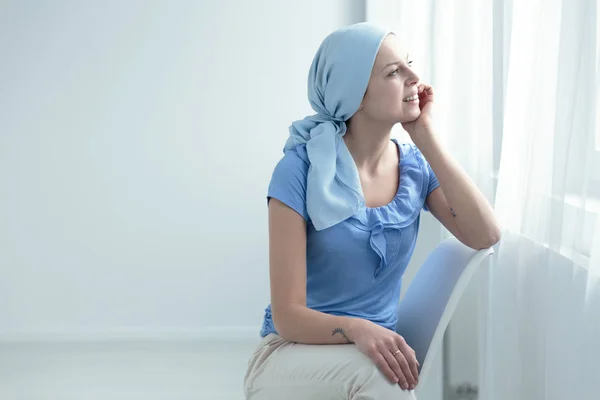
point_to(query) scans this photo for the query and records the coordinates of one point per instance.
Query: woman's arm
(293, 320)
(458, 204)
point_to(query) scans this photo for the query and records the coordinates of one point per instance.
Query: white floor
(122, 370)
(148, 370)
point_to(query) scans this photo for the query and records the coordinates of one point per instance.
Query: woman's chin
(410, 116)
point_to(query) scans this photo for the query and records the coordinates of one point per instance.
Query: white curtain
(543, 326)
(517, 83)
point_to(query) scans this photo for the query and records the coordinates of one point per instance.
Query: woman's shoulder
(412, 153)
(294, 161)
(298, 153)
(289, 180)
(407, 148)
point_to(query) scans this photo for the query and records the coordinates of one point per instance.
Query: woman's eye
(395, 72)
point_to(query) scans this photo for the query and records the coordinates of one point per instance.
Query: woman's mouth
(410, 99)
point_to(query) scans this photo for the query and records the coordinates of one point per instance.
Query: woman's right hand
(381, 345)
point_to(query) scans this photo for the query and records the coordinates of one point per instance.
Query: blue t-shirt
(355, 268)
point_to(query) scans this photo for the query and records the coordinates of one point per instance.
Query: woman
(344, 205)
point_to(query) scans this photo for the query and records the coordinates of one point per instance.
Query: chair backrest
(432, 297)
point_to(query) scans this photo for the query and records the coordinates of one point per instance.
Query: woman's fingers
(424, 90)
(406, 370)
(384, 367)
(408, 363)
(415, 367)
(425, 93)
(394, 365)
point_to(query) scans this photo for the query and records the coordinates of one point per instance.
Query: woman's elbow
(489, 243)
(488, 240)
(283, 319)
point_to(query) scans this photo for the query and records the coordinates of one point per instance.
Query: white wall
(132, 196)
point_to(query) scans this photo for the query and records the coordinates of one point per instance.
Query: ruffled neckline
(406, 205)
(385, 222)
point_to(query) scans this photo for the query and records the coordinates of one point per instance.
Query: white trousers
(285, 370)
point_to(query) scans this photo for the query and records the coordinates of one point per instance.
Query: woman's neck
(368, 143)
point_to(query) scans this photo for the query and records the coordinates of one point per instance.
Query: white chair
(432, 297)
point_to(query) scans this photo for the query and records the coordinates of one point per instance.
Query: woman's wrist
(429, 144)
(354, 328)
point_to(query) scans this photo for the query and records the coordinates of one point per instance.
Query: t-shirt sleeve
(288, 182)
(432, 181)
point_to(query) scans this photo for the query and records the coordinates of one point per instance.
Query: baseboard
(204, 334)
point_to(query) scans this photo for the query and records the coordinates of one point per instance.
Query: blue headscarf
(337, 82)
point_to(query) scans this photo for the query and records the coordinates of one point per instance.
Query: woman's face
(391, 85)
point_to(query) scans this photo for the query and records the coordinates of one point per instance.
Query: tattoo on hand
(341, 332)
(453, 213)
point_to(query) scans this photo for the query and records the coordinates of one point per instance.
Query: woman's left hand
(425, 120)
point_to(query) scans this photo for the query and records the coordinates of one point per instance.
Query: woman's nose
(412, 79)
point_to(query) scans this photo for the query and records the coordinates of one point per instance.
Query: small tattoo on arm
(453, 213)
(341, 332)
